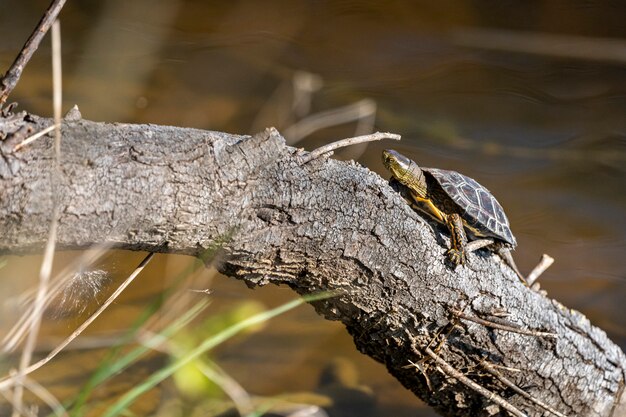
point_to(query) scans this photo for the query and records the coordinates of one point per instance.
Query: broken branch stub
(322, 226)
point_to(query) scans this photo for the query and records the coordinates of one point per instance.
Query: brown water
(539, 122)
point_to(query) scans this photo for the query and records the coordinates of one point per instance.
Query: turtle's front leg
(458, 239)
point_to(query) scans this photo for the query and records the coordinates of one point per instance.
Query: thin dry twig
(46, 266)
(46, 396)
(449, 370)
(422, 364)
(474, 245)
(560, 46)
(507, 368)
(304, 84)
(419, 365)
(508, 328)
(240, 397)
(493, 371)
(361, 110)
(24, 412)
(31, 340)
(545, 263)
(292, 98)
(9, 381)
(34, 137)
(12, 76)
(347, 142)
(57, 89)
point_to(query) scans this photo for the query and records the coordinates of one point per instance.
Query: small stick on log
(419, 365)
(34, 137)
(346, 142)
(12, 76)
(449, 370)
(508, 368)
(543, 264)
(508, 328)
(492, 370)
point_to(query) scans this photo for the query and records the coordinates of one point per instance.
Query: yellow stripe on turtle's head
(405, 170)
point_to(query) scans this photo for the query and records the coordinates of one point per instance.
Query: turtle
(460, 203)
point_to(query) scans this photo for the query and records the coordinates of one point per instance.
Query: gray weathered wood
(324, 225)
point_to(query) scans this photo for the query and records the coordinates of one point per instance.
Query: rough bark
(325, 225)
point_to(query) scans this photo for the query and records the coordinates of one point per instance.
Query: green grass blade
(115, 366)
(106, 363)
(126, 400)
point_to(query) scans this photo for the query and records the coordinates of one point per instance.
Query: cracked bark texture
(325, 225)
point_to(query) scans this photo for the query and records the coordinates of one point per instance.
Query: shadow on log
(321, 226)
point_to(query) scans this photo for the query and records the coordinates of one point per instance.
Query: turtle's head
(405, 171)
(398, 164)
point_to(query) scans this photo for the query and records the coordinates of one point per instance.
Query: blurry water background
(527, 98)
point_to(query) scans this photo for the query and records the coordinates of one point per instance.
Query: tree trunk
(322, 226)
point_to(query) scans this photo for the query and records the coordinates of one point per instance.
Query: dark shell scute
(471, 193)
(501, 216)
(480, 208)
(486, 203)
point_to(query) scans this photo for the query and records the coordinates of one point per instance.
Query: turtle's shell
(478, 207)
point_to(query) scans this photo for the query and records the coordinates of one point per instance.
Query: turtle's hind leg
(504, 252)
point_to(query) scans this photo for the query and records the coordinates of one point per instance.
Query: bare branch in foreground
(12, 76)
